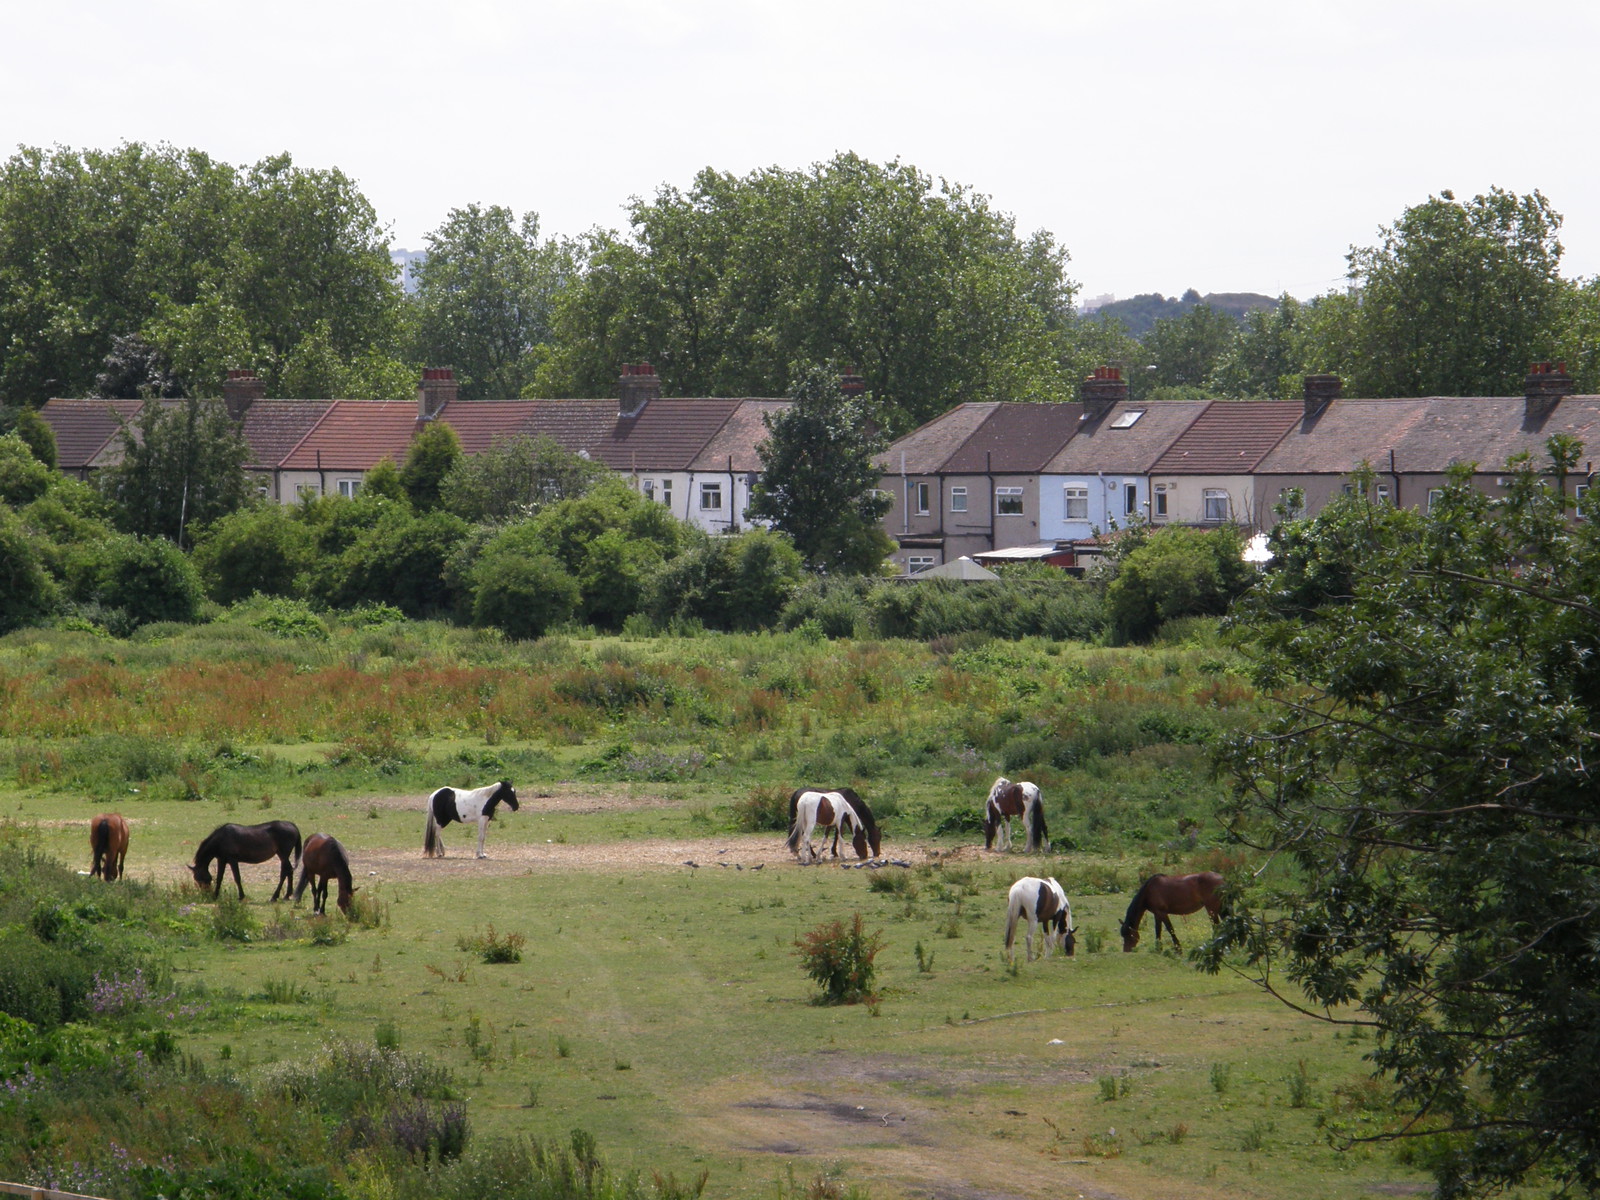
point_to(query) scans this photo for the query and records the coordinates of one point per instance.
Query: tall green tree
(516, 477)
(485, 298)
(182, 466)
(924, 287)
(1426, 816)
(432, 455)
(819, 483)
(1186, 349)
(1458, 297)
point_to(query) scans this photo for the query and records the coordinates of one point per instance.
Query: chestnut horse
(230, 845)
(1167, 894)
(322, 859)
(814, 810)
(868, 822)
(1007, 800)
(108, 841)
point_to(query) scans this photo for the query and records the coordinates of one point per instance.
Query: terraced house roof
(1229, 438)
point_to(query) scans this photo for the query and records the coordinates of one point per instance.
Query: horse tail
(991, 824)
(100, 838)
(430, 834)
(1038, 835)
(794, 836)
(298, 844)
(1013, 912)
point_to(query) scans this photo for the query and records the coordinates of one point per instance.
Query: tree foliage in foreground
(1428, 773)
(182, 465)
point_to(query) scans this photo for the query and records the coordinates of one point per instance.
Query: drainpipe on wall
(988, 473)
(733, 493)
(322, 480)
(1395, 475)
(905, 496)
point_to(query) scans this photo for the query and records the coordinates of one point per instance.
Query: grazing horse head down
(230, 845)
(1164, 895)
(323, 859)
(457, 804)
(108, 843)
(1009, 799)
(1043, 902)
(868, 823)
(839, 810)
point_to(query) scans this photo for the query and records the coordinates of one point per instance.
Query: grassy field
(661, 1006)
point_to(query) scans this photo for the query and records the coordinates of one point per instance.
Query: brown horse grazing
(1167, 894)
(230, 845)
(1007, 800)
(322, 859)
(108, 842)
(869, 823)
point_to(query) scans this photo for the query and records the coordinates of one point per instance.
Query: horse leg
(483, 828)
(1167, 917)
(237, 882)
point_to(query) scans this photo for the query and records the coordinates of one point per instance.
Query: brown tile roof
(479, 422)
(1342, 435)
(744, 430)
(667, 436)
(355, 435)
(1229, 438)
(1100, 446)
(86, 428)
(1016, 438)
(926, 449)
(1489, 430)
(273, 428)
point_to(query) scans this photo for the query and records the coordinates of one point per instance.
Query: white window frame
(920, 496)
(1075, 494)
(1579, 491)
(918, 563)
(1209, 505)
(666, 492)
(1005, 495)
(1161, 500)
(711, 489)
(1382, 494)
(648, 487)
(1434, 495)
(349, 488)
(958, 499)
(1130, 499)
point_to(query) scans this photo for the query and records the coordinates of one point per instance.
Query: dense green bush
(520, 588)
(264, 547)
(1177, 572)
(27, 590)
(841, 960)
(145, 579)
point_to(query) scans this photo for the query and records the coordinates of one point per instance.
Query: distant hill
(1139, 313)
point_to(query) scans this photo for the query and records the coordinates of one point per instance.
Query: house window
(1293, 502)
(1216, 505)
(1161, 499)
(958, 499)
(666, 492)
(1383, 494)
(917, 563)
(1130, 498)
(710, 497)
(1578, 493)
(919, 498)
(649, 489)
(1077, 502)
(307, 490)
(1434, 496)
(349, 487)
(1008, 501)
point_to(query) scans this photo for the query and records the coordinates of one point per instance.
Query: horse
(824, 809)
(1007, 800)
(324, 858)
(457, 804)
(108, 842)
(868, 821)
(230, 845)
(1043, 902)
(1167, 894)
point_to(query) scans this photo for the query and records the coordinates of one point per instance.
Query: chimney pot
(1319, 390)
(242, 388)
(1102, 392)
(1544, 387)
(438, 388)
(638, 386)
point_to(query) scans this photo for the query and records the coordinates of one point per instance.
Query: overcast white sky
(1227, 145)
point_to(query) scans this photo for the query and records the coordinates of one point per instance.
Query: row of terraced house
(992, 481)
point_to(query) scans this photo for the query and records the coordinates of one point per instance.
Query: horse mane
(1137, 905)
(868, 821)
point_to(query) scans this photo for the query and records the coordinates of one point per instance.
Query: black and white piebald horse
(458, 804)
(1043, 902)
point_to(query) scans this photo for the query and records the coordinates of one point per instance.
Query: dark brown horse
(1164, 895)
(323, 859)
(230, 845)
(869, 824)
(1009, 799)
(108, 841)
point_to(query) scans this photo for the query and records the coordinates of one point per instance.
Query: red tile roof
(355, 435)
(1229, 438)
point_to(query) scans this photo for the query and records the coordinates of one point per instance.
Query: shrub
(763, 809)
(262, 548)
(841, 960)
(491, 947)
(148, 579)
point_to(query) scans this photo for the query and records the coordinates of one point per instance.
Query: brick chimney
(638, 386)
(242, 388)
(438, 388)
(852, 385)
(1102, 392)
(1545, 385)
(1320, 389)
